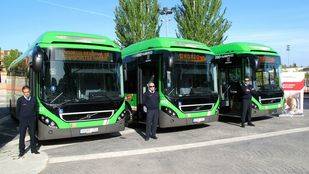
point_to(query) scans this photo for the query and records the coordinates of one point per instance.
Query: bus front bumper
(166, 121)
(47, 133)
(270, 112)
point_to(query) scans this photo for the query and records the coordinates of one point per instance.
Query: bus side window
(131, 77)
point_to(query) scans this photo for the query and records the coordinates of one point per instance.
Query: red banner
(293, 85)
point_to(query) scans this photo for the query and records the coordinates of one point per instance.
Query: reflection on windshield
(73, 81)
(188, 75)
(267, 73)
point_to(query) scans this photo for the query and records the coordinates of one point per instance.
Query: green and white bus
(184, 73)
(262, 64)
(77, 80)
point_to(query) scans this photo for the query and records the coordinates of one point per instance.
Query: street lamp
(166, 11)
(288, 48)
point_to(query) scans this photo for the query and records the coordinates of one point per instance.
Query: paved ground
(275, 145)
(8, 127)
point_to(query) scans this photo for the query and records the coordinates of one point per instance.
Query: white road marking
(172, 148)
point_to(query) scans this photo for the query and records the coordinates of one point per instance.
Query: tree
(136, 20)
(22, 67)
(8, 59)
(202, 20)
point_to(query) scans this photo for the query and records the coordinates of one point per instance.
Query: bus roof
(168, 44)
(62, 39)
(243, 48)
(69, 39)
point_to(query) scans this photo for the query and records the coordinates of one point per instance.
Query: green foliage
(20, 69)
(202, 20)
(8, 59)
(136, 20)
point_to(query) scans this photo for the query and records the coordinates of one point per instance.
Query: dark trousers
(25, 124)
(152, 122)
(246, 111)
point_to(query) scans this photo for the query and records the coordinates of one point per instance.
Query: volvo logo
(90, 115)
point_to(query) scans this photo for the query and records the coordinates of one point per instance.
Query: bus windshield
(78, 75)
(188, 74)
(267, 72)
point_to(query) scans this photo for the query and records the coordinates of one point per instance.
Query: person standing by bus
(151, 107)
(26, 111)
(247, 90)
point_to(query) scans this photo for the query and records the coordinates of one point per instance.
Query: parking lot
(274, 145)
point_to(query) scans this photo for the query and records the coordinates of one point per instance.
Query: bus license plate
(198, 120)
(89, 130)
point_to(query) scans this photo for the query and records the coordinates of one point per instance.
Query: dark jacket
(26, 109)
(151, 100)
(247, 91)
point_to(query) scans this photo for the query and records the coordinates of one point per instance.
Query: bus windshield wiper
(171, 91)
(56, 97)
(106, 96)
(67, 101)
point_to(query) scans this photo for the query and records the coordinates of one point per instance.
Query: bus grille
(196, 107)
(86, 116)
(270, 100)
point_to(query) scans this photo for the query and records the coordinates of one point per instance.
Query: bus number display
(86, 55)
(189, 57)
(264, 59)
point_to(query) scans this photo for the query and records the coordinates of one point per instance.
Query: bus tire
(129, 115)
(220, 117)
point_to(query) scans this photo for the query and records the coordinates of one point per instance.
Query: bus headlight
(253, 106)
(47, 121)
(169, 112)
(52, 124)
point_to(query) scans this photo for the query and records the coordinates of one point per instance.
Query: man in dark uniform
(151, 106)
(247, 90)
(26, 110)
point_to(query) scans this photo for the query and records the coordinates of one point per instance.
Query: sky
(274, 23)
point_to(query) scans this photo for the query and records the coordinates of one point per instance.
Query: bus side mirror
(170, 58)
(125, 71)
(37, 60)
(256, 63)
(170, 61)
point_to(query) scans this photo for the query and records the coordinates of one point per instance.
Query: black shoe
(21, 154)
(35, 152)
(147, 139)
(242, 125)
(154, 137)
(251, 124)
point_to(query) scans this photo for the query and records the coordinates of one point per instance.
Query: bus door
(148, 71)
(229, 80)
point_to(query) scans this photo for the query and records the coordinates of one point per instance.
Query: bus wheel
(128, 118)
(220, 118)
